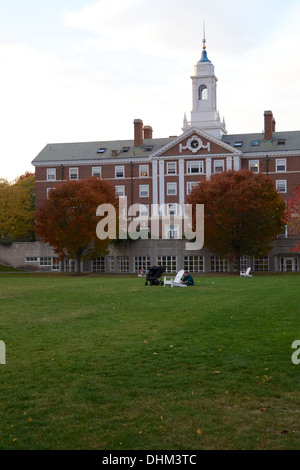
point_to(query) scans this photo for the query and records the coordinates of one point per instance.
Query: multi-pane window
(120, 191)
(73, 173)
(281, 186)
(218, 264)
(190, 185)
(261, 264)
(171, 168)
(202, 92)
(99, 265)
(119, 172)
(172, 209)
(218, 166)
(143, 171)
(123, 264)
(254, 166)
(96, 171)
(194, 264)
(168, 262)
(144, 190)
(172, 231)
(171, 189)
(195, 167)
(280, 164)
(46, 261)
(140, 262)
(31, 259)
(144, 210)
(111, 264)
(51, 174)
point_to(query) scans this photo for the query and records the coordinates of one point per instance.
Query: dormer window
(203, 93)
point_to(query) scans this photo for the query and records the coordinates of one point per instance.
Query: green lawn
(98, 362)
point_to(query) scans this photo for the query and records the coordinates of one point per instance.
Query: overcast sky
(83, 70)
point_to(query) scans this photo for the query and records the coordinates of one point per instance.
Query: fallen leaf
(199, 432)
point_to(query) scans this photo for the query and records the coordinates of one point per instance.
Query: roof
(250, 143)
(98, 151)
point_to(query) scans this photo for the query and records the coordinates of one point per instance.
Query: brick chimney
(148, 132)
(270, 125)
(138, 132)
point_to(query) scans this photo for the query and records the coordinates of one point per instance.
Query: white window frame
(48, 190)
(171, 168)
(144, 210)
(219, 163)
(120, 191)
(144, 171)
(281, 184)
(120, 171)
(170, 191)
(254, 166)
(144, 190)
(280, 162)
(73, 174)
(51, 174)
(96, 171)
(172, 209)
(195, 167)
(190, 185)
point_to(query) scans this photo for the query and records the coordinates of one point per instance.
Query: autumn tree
(243, 213)
(293, 216)
(67, 220)
(17, 209)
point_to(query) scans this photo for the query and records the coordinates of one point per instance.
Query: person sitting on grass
(187, 279)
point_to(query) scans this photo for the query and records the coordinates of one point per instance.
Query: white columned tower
(204, 114)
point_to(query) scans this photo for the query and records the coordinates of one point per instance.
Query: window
(238, 143)
(119, 172)
(172, 209)
(168, 262)
(281, 142)
(171, 168)
(195, 167)
(281, 186)
(148, 148)
(144, 210)
(111, 264)
(48, 191)
(125, 149)
(140, 262)
(120, 191)
(123, 264)
(218, 166)
(31, 259)
(280, 164)
(203, 94)
(190, 185)
(255, 143)
(99, 265)
(172, 231)
(261, 264)
(144, 190)
(254, 166)
(73, 173)
(144, 171)
(51, 174)
(45, 261)
(101, 150)
(96, 171)
(171, 189)
(194, 264)
(218, 264)
(55, 264)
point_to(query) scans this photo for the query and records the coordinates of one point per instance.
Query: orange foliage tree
(243, 213)
(67, 220)
(293, 216)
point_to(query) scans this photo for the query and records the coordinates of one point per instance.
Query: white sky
(83, 70)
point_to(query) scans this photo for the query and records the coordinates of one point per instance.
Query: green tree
(243, 213)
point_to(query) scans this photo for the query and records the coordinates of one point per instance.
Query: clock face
(195, 144)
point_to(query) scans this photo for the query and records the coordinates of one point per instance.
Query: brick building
(150, 171)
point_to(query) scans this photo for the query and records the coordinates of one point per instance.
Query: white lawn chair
(246, 273)
(174, 281)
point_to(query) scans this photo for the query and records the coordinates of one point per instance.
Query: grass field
(97, 362)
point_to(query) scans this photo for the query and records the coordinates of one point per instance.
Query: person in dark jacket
(187, 279)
